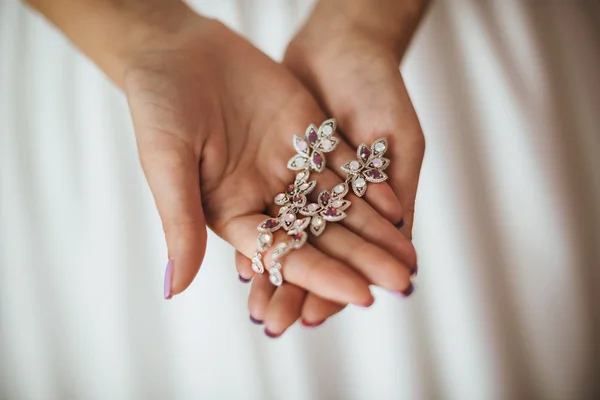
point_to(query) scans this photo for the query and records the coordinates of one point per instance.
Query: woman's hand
(348, 54)
(214, 119)
(209, 108)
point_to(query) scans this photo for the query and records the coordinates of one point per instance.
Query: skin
(354, 75)
(213, 117)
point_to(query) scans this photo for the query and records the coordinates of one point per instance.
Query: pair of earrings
(296, 213)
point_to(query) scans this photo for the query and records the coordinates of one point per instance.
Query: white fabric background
(507, 301)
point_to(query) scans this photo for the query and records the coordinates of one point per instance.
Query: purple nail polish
(414, 271)
(244, 280)
(311, 324)
(400, 224)
(271, 334)
(408, 291)
(168, 279)
(255, 321)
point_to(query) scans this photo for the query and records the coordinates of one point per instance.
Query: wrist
(386, 23)
(112, 33)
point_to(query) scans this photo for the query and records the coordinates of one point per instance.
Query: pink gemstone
(312, 137)
(312, 207)
(317, 159)
(290, 217)
(354, 165)
(304, 186)
(326, 144)
(297, 198)
(290, 189)
(377, 163)
(297, 236)
(280, 197)
(325, 197)
(271, 223)
(365, 153)
(302, 145)
(337, 203)
(331, 211)
(375, 174)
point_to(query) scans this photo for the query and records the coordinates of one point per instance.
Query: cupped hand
(353, 71)
(214, 120)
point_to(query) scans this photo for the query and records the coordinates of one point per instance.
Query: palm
(180, 96)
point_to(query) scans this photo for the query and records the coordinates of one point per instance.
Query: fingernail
(255, 321)
(311, 324)
(369, 303)
(400, 224)
(414, 271)
(168, 279)
(408, 291)
(244, 280)
(271, 334)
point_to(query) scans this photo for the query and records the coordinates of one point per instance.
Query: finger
(284, 309)
(370, 259)
(306, 267)
(316, 310)
(171, 168)
(374, 263)
(261, 292)
(244, 267)
(409, 146)
(368, 224)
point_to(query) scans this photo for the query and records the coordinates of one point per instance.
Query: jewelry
(310, 155)
(295, 215)
(368, 166)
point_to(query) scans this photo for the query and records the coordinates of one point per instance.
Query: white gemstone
(265, 238)
(338, 189)
(276, 265)
(317, 221)
(377, 163)
(289, 217)
(275, 277)
(300, 176)
(302, 145)
(327, 130)
(257, 265)
(354, 165)
(304, 186)
(337, 203)
(360, 182)
(379, 147)
(312, 207)
(300, 162)
(280, 197)
(326, 144)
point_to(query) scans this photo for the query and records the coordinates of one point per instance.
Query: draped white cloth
(507, 301)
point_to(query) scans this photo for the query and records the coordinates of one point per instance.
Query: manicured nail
(408, 291)
(311, 324)
(255, 321)
(414, 271)
(400, 224)
(271, 334)
(244, 280)
(168, 279)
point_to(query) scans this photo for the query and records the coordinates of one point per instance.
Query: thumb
(171, 169)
